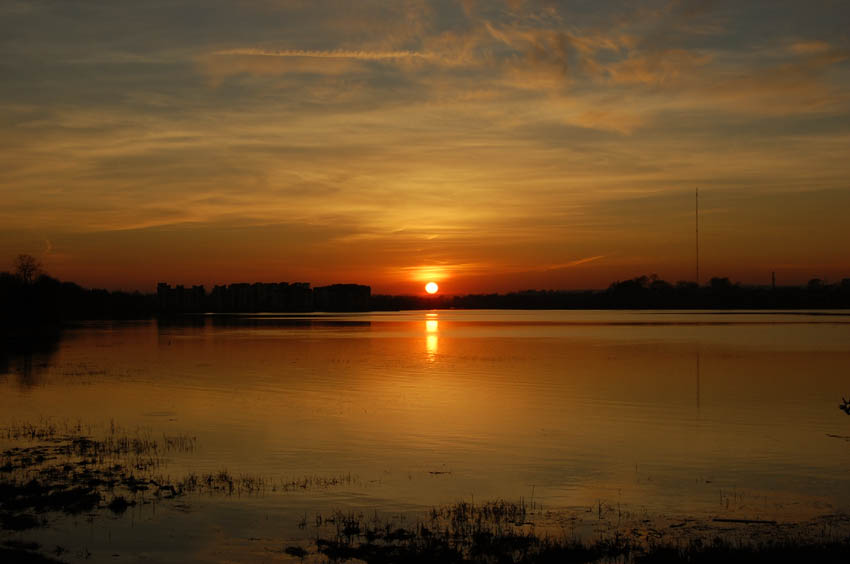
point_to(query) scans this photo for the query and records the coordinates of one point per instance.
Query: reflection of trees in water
(27, 356)
(845, 406)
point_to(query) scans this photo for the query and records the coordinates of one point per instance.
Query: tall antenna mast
(696, 226)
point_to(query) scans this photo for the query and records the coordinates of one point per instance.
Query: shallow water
(682, 413)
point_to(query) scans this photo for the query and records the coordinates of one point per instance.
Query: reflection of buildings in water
(432, 326)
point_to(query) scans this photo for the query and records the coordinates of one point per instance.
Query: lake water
(682, 413)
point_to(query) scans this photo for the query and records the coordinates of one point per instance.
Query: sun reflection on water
(432, 326)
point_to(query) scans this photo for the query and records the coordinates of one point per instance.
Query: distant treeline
(35, 299)
(644, 292)
(46, 299)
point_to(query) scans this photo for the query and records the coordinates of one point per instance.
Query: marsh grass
(506, 532)
(67, 468)
(70, 469)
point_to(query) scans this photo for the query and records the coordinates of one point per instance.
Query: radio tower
(696, 227)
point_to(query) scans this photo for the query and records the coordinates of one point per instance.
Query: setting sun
(431, 287)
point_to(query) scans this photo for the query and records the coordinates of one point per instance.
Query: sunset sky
(488, 146)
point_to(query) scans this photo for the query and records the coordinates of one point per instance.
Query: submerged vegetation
(63, 469)
(69, 469)
(505, 532)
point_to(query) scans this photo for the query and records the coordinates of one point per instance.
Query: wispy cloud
(330, 54)
(812, 47)
(474, 138)
(574, 263)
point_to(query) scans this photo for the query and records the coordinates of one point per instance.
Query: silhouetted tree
(27, 268)
(661, 286)
(720, 283)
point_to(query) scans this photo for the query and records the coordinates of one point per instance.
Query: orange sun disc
(431, 287)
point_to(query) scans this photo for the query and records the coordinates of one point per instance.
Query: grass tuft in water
(505, 532)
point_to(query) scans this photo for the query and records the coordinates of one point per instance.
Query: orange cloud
(331, 54)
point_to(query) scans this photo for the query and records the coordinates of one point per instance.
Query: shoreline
(64, 472)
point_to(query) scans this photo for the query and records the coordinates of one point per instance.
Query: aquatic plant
(499, 532)
(64, 468)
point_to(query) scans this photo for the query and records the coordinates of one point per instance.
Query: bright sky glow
(501, 145)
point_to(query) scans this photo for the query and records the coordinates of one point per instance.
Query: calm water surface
(685, 413)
